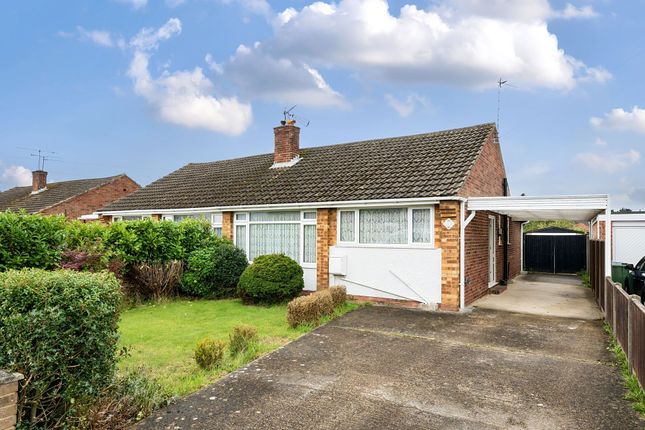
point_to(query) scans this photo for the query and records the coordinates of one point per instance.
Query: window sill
(392, 246)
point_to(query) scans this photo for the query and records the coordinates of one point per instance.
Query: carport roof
(543, 208)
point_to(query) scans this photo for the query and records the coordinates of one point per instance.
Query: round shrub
(241, 338)
(209, 352)
(272, 278)
(214, 271)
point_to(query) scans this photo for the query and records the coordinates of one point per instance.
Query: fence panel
(637, 341)
(609, 304)
(621, 309)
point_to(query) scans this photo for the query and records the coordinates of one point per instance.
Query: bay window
(292, 233)
(386, 226)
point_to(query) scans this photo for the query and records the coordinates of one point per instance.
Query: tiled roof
(423, 165)
(21, 198)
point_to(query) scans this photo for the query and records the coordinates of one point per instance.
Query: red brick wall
(227, 225)
(487, 179)
(94, 199)
(487, 174)
(448, 241)
(325, 238)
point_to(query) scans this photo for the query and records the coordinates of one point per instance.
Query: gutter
(306, 205)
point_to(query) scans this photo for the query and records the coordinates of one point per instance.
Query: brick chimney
(287, 143)
(38, 180)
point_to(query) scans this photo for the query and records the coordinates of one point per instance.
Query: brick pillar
(156, 217)
(106, 219)
(8, 399)
(325, 237)
(448, 241)
(227, 225)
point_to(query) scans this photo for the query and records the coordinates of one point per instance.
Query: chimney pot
(287, 143)
(39, 180)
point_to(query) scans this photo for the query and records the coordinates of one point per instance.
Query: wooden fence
(623, 312)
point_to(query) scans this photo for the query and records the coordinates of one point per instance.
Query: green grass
(162, 337)
(635, 393)
(585, 278)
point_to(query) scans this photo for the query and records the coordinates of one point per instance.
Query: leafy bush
(195, 234)
(155, 280)
(310, 308)
(338, 294)
(209, 352)
(30, 240)
(242, 336)
(59, 329)
(214, 271)
(145, 241)
(272, 278)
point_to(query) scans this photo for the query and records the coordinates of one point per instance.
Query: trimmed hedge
(214, 271)
(59, 329)
(272, 278)
(338, 294)
(310, 309)
(31, 240)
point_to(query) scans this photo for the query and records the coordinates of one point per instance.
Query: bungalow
(387, 218)
(75, 199)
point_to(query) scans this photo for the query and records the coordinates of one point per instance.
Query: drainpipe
(462, 253)
(505, 238)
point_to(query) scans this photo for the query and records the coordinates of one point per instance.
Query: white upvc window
(214, 218)
(292, 233)
(130, 217)
(387, 226)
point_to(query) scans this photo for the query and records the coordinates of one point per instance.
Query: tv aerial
(501, 83)
(290, 117)
(42, 156)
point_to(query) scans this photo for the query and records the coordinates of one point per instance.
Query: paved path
(385, 368)
(549, 295)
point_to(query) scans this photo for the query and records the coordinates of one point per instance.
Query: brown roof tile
(423, 165)
(21, 198)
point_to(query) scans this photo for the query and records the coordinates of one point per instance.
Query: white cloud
(535, 169)
(213, 65)
(135, 4)
(149, 38)
(611, 162)
(600, 142)
(280, 79)
(620, 119)
(405, 107)
(572, 12)
(184, 97)
(15, 176)
(468, 43)
(99, 37)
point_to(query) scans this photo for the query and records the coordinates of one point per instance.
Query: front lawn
(162, 337)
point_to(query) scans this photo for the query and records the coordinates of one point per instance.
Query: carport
(582, 208)
(550, 295)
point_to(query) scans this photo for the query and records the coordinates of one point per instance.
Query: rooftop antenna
(42, 156)
(290, 117)
(500, 84)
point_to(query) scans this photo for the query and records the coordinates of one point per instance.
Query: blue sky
(144, 87)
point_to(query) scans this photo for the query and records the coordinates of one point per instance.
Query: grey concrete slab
(391, 368)
(543, 294)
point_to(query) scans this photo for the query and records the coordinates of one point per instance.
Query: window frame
(409, 244)
(244, 218)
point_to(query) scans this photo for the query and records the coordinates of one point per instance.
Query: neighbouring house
(387, 218)
(76, 199)
(627, 235)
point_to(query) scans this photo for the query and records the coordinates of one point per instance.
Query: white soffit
(543, 208)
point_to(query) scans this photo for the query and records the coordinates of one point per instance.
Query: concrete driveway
(544, 294)
(388, 368)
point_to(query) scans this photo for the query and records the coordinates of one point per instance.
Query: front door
(492, 235)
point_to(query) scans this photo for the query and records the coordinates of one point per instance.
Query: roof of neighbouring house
(423, 165)
(56, 192)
